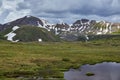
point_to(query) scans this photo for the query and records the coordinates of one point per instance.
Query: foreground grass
(52, 59)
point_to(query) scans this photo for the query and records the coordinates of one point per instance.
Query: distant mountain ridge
(82, 27)
(94, 27)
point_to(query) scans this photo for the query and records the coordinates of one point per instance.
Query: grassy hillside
(110, 38)
(32, 33)
(4, 32)
(117, 32)
(51, 59)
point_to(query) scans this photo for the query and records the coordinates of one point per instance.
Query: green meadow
(51, 59)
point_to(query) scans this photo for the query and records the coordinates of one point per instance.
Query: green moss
(90, 74)
(66, 59)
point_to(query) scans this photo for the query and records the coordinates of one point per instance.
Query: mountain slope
(95, 27)
(84, 27)
(32, 33)
(27, 20)
(28, 33)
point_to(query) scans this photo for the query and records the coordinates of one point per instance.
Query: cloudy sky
(60, 10)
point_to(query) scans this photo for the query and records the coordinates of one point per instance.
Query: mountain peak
(26, 20)
(28, 16)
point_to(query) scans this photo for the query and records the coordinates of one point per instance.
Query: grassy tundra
(53, 58)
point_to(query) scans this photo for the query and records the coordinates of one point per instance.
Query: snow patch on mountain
(118, 27)
(28, 16)
(98, 33)
(45, 25)
(12, 34)
(56, 31)
(39, 25)
(40, 40)
(110, 28)
(87, 37)
(15, 28)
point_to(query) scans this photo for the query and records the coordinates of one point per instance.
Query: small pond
(101, 71)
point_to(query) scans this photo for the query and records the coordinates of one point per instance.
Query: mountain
(26, 29)
(28, 20)
(28, 33)
(93, 27)
(59, 28)
(30, 28)
(84, 27)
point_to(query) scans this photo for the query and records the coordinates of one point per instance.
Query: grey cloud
(3, 15)
(0, 3)
(99, 7)
(22, 6)
(51, 5)
(64, 9)
(84, 7)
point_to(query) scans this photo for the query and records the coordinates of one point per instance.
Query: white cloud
(9, 12)
(16, 14)
(10, 4)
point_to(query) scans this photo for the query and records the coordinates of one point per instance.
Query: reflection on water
(102, 71)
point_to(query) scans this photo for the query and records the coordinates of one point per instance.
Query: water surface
(101, 71)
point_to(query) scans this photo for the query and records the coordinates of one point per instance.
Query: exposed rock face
(1, 27)
(59, 28)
